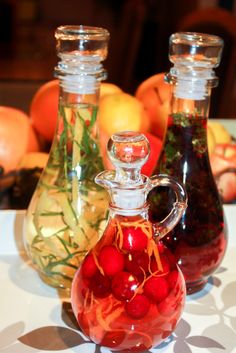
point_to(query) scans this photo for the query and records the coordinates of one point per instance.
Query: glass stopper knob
(195, 49)
(128, 151)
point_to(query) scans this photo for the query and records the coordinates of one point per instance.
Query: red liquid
(128, 293)
(199, 239)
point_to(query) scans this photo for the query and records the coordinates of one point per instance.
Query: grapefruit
(14, 137)
(44, 109)
(155, 95)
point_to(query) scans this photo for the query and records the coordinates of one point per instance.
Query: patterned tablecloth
(36, 318)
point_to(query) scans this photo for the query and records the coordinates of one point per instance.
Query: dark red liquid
(128, 294)
(199, 239)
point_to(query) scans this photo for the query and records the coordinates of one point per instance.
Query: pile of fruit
(222, 151)
(25, 139)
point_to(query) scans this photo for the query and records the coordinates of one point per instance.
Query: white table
(34, 317)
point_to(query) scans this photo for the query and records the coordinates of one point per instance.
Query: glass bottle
(128, 293)
(67, 209)
(200, 238)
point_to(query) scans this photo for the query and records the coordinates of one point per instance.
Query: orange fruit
(155, 95)
(44, 106)
(33, 141)
(121, 111)
(155, 150)
(14, 137)
(44, 109)
(108, 88)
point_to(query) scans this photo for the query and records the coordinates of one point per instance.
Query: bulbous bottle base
(197, 286)
(106, 321)
(128, 294)
(56, 283)
(198, 263)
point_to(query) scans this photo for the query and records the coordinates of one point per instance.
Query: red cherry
(156, 288)
(138, 306)
(100, 285)
(161, 247)
(84, 287)
(171, 258)
(137, 264)
(168, 306)
(124, 285)
(89, 267)
(134, 239)
(173, 279)
(112, 339)
(111, 260)
(165, 265)
(80, 287)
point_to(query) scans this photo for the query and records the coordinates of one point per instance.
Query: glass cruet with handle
(128, 293)
(67, 209)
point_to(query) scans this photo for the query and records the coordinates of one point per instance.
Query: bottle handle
(169, 222)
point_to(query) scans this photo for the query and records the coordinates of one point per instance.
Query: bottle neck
(81, 51)
(79, 77)
(190, 107)
(68, 98)
(141, 212)
(190, 99)
(191, 82)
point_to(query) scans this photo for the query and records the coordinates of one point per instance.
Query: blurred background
(138, 48)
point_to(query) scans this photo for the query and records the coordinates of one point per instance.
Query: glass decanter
(128, 293)
(200, 238)
(68, 208)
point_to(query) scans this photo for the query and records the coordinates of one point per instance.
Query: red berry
(124, 285)
(171, 258)
(112, 339)
(137, 264)
(165, 265)
(111, 260)
(173, 278)
(156, 288)
(138, 306)
(80, 286)
(169, 306)
(134, 239)
(89, 267)
(161, 247)
(100, 285)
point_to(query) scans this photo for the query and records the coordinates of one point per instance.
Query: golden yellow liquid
(68, 210)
